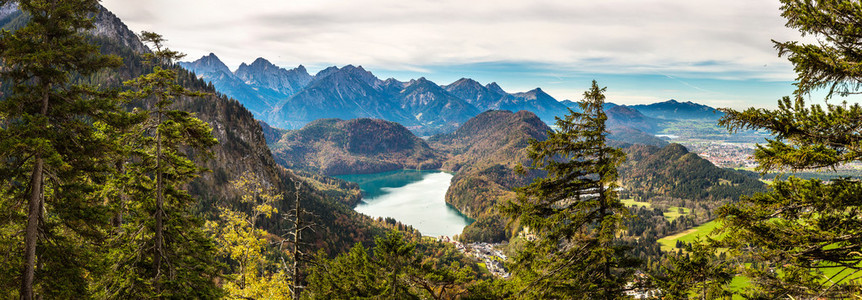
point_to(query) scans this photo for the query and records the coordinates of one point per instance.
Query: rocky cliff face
(483, 97)
(434, 107)
(262, 74)
(107, 26)
(110, 26)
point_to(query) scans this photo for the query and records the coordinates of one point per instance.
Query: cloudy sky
(716, 52)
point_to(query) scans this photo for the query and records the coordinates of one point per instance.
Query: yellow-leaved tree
(250, 274)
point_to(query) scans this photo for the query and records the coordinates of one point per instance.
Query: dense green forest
(123, 176)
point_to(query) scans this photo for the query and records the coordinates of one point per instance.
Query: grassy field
(633, 202)
(740, 282)
(669, 242)
(672, 213)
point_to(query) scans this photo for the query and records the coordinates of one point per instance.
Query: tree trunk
(603, 213)
(157, 258)
(33, 216)
(31, 236)
(296, 238)
(118, 215)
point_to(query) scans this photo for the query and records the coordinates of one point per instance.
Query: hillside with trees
(484, 153)
(206, 156)
(123, 176)
(357, 146)
(672, 171)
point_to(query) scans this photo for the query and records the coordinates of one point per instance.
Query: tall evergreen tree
(51, 153)
(162, 250)
(803, 227)
(574, 212)
(401, 267)
(698, 271)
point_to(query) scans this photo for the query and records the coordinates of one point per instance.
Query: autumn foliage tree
(245, 245)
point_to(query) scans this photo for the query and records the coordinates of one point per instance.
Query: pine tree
(833, 62)
(574, 212)
(162, 250)
(802, 227)
(51, 152)
(359, 275)
(697, 272)
(352, 275)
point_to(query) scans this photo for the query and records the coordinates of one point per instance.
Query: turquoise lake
(415, 198)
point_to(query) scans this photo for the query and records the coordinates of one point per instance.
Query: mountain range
(292, 98)
(675, 110)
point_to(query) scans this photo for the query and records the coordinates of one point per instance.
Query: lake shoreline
(412, 197)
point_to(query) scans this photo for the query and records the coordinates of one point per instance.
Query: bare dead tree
(302, 220)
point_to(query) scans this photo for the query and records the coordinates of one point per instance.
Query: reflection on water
(415, 198)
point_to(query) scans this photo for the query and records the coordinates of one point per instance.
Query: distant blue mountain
(576, 107)
(259, 86)
(346, 93)
(482, 97)
(675, 110)
(291, 98)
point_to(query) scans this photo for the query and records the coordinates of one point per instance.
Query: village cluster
(485, 252)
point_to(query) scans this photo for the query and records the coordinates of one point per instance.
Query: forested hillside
(672, 171)
(357, 146)
(483, 153)
(240, 150)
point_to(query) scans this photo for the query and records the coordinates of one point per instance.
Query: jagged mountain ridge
(263, 74)
(293, 98)
(483, 97)
(259, 86)
(357, 93)
(492, 96)
(213, 70)
(536, 101)
(346, 93)
(431, 104)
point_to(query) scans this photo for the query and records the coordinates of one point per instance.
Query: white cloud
(617, 36)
